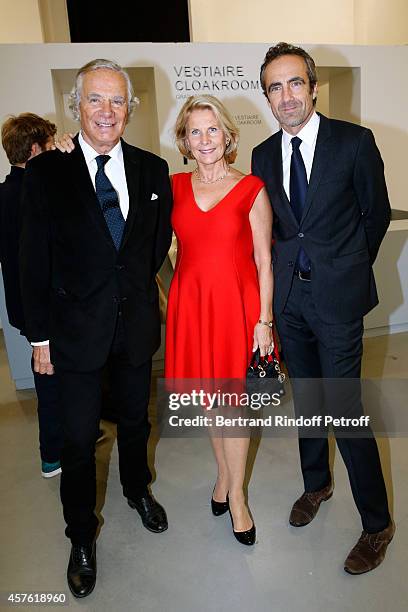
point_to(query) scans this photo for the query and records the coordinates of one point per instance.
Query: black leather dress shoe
(81, 572)
(152, 513)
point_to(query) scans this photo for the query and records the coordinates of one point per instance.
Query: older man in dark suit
(98, 222)
(325, 180)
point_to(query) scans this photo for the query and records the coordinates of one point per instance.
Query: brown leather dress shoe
(305, 508)
(369, 551)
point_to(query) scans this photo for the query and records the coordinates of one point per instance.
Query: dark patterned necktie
(298, 191)
(109, 202)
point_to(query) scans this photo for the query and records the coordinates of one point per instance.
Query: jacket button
(290, 264)
(300, 234)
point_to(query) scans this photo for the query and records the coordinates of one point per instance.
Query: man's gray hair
(98, 64)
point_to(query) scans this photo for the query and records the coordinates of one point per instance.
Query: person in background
(24, 137)
(326, 182)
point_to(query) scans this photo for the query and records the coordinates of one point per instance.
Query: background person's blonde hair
(227, 124)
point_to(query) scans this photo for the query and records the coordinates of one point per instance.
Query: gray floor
(197, 565)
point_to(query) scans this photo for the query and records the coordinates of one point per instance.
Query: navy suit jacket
(346, 215)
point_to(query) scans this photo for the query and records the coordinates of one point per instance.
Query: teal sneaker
(48, 470)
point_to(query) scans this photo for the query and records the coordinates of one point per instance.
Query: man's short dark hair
(284, 48)
(18, 134)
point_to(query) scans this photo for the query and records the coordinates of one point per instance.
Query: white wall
(20, 21)
(320, 21)
(381, 22)
(54, 19)
(371, 22)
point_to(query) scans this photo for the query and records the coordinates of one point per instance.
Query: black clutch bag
(264, 374)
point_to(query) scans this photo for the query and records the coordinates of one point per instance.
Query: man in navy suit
(25, 137)
(98, 221)
(325, 180)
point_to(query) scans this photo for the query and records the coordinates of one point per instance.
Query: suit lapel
(320, 160)
(277, 173)
(131, 159)
(276, 157)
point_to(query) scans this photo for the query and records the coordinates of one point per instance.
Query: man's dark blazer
(346, 215)
(73, 278)
(10, 221)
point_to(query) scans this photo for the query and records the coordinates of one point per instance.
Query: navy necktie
(109, 202)
(298, 191)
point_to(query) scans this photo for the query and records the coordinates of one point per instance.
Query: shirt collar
(307, 134)
(90, 154)
(16, 171)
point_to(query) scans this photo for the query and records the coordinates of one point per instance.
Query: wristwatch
(267, 323)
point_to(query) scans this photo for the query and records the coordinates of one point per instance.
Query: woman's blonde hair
(207, 102)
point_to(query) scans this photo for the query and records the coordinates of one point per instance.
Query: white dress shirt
(114, 170)
(308, 136)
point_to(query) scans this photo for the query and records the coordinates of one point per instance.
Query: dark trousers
(49, 417)
(315, 350)
(81, 394)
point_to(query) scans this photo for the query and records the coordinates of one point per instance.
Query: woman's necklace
(220, 178)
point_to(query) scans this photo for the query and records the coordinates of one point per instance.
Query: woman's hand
(65, 143)
(263, 338)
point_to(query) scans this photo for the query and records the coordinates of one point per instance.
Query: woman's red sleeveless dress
(214, 300)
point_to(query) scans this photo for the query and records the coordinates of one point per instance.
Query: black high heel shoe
(247, 537)
(219, 508)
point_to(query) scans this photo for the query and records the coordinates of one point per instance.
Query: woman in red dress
(220, 300)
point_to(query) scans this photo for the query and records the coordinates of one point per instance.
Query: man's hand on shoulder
(42, 360)
(64, 143)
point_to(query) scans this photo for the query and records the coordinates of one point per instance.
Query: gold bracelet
(267, 323)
